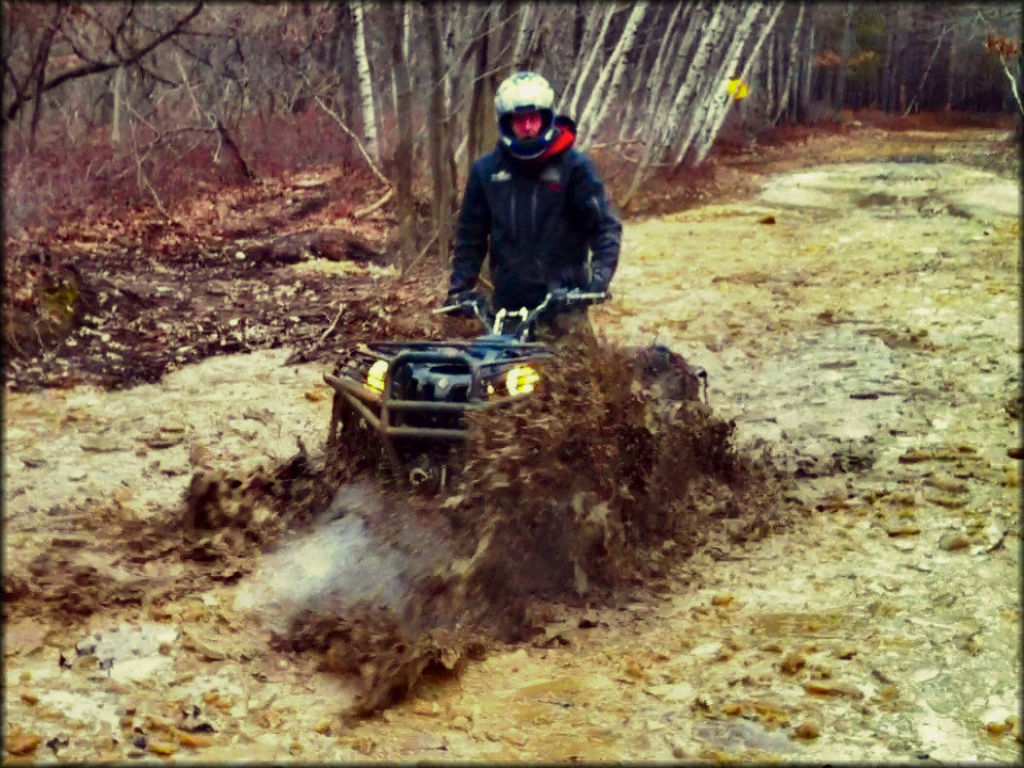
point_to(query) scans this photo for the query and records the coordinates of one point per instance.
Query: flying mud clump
(613, 470)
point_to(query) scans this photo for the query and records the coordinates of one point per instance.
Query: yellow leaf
(738, 89)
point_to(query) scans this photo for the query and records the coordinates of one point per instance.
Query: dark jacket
(547, 224)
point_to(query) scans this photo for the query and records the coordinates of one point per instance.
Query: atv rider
(540, 207)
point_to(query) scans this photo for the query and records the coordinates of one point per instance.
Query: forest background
(112, 106)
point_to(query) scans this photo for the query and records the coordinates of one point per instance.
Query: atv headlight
(521, 379)
(375, 376)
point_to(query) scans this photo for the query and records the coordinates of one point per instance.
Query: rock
(946, 482)
(102, 444)
(952, 542)
(516, 737)
(902, 528)
(208, 650)
(722, 598)
(846, 652)
(833, 689)
(162, 440)
(949, 502)
(34, 459)
(552, 637)
(162, 747)
(792, 662)
(808, 729)
(24, 636)
(915, 456)
(427, 708)
(973, 644)
(195, 740)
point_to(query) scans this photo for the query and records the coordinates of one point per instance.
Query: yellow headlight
(521, 379)
(375, 376)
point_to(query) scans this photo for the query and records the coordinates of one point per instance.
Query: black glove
(468, 296)
(597, 285)
(558, 300)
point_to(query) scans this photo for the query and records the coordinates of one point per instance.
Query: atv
(406, 401)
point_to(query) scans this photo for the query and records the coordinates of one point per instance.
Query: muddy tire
(353, 447)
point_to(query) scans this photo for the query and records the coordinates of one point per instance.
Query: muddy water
(862, 320)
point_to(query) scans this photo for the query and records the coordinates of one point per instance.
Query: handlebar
(554, 301)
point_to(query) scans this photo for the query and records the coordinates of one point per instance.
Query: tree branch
(362, 149)
(103, 66)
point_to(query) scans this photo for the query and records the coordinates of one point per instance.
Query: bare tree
(720, 107)
(365, 82)
(593, 42)
(610, 79)
(111, 49)
(404, 146)
(787, 86)
(441, 157)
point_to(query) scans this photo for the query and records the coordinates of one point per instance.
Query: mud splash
(599, 480)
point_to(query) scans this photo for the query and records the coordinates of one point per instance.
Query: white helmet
(519, 93)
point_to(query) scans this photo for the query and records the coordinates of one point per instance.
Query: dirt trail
(861, 319)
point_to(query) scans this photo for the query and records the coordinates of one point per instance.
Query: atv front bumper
(389, 411)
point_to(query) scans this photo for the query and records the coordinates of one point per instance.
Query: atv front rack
(387, 414)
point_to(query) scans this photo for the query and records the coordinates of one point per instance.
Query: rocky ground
(858, 316)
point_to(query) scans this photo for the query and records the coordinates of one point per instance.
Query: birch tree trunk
(523, 34)
(610, 79)
(365, 85)
(655, 84)
(791, 66)
(661, 134)
(695, 23)
(577, 81)
(533, 47)
(626, 104)
(927, 71)
(117, 87)
(720, 108)
(406, 32)
(701, 80)
(714, 83)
